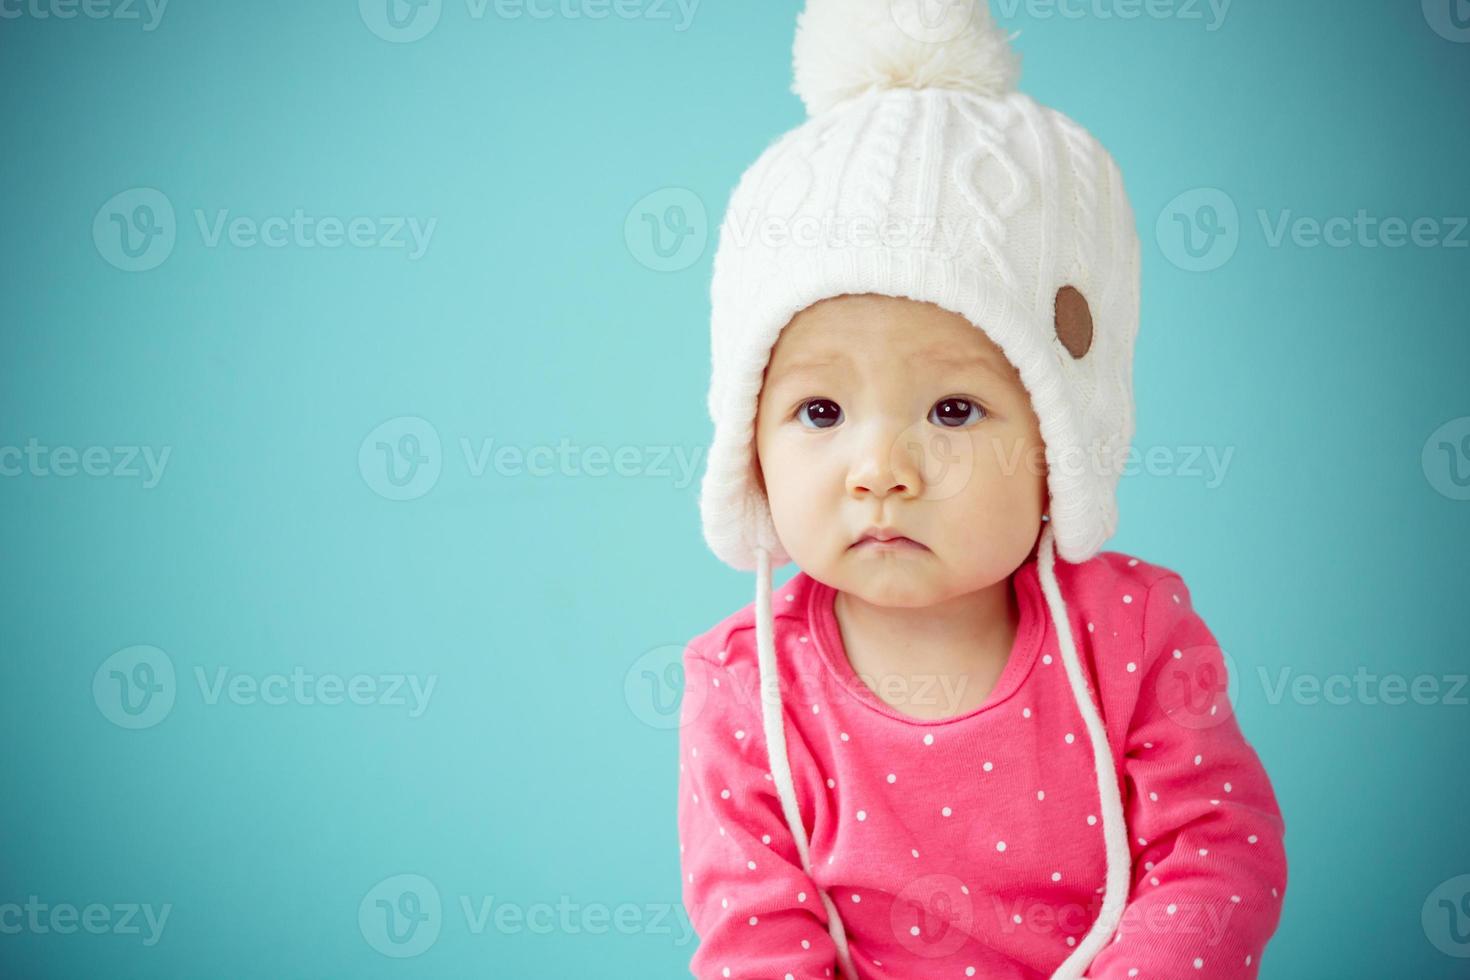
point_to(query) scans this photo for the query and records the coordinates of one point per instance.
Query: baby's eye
(823, 412)
(953, 413)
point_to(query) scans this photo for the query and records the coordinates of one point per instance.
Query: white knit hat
(922, 173)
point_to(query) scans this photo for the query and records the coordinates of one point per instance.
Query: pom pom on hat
(845, 47)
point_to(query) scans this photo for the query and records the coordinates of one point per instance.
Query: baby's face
(877, 410)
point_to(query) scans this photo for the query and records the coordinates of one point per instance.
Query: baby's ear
(1074, 321)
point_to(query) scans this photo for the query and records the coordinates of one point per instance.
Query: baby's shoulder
(731, 642)
(1111, 577)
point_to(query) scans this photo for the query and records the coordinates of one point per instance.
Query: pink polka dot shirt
(972, 846)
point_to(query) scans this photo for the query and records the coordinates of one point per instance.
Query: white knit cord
(1115, 838)
(773, 725)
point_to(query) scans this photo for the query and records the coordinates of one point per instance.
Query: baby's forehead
(852, 330)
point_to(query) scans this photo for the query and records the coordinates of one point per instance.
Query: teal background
(542, 771)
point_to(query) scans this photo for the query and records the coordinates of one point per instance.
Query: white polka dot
(1171, 908)
(969, 971)
(946, 811)
(1000, 845)
(1127, 598)
(1041, 794)
(724, 794)
(914, 852)
(1247, 960)
(802, 639)
(1198, 759)
(1153, 796)
(724, 903)
(739, 733)
(1046, 658)
(928, 739)
(753, 920)
(1132, 562)
(801, 896)
(806, 944)
(844, 736)
(1069, 738)
(1227, 787)
(1235, 899)
(816, 709)
(1198, 963)
(765, 838)
(1252, 839)
(862, 814)
(1089, 627)
(1056, 876)
(856, 897)
(1025, 712)
(789, 598)
(1203, 851)
(716, 680)
(988, 765)
(1178, 654)
(1132, 666)
(750, 865)
(725, 972)
(831, 784)
(1091, 820)
(1017, 919)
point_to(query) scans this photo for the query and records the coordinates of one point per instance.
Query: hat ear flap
(1074, 321)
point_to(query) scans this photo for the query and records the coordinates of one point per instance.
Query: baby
(961, 740)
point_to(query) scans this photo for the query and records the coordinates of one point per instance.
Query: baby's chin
(894, 580)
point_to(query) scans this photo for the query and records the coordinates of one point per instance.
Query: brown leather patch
(1074, 321)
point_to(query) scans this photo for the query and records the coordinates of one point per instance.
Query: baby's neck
(962, 644)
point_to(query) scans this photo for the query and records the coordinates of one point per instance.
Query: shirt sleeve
(758, 914)
(1206, 834)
